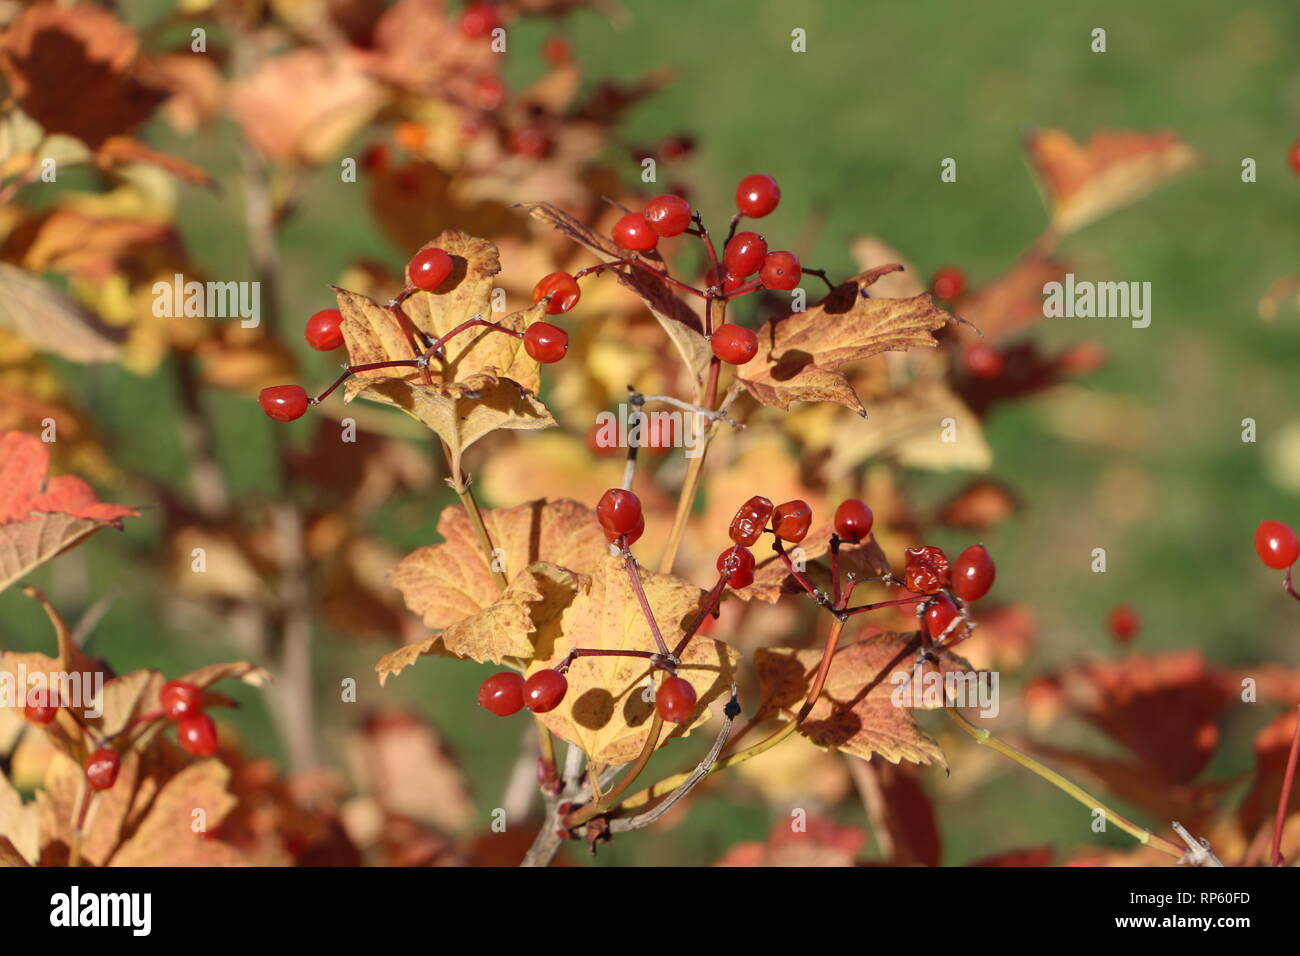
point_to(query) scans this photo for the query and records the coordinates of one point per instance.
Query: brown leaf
(979, 506)
(818, 842)
(1115, 168)
(73, 70)
(801, 356)
(678, 320)
(51, 320)
(855, 712)
(1013, 300)
(607, 711)
(451, 584)
(166, 835)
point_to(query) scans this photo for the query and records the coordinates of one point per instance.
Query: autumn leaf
(801, 356)
(607, 710)
(485, 380)
(678, 320)
(1011, 301)
(855, 712)
(166, 835)
(52, 321)
(1115, 168)
(821, 842)
(41, 516)
(544, 550)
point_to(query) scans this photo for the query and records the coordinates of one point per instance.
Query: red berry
(325, 330)
(556, 50)
(563, 290)
(634, 233)
(791, 520)
(544, 691)
(283, 403)
(751, 519)
(668, 215)
(489, 91)
(675, 700)
(429, 269)
(757, 195)
(738, 561)
(745, 253)
(948, 283)
(102, 767)
(632, 536)
(197, 734)
(734, 344)
(927, 570)
(853, 520)
(1123, 623)
(1294, 156)
(973, 574)
(42, 705)
(618, 511)
(546, 343)
(181, 699)
(502, 693)
(728, 283)
(478, 20)
(940, 613)
(781, 270)
(1276, 544)
(984, 361)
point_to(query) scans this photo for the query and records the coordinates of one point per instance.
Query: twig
(1287, 780)
(1198, 851)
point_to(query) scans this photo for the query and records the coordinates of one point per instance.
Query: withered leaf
(52, 321)
(609, 705)
(855, 712)
(800, 356)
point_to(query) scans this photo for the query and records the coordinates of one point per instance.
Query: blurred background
(1142, 456)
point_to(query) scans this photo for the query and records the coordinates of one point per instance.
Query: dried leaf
(1115, 168)
(855, 712)
(801, 356)
(607, 711)
(52, 321)
(166, 836)
(819, 842)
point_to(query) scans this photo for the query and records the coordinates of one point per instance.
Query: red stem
(714, 596)
(862, 608)
(1287, 780)
(630, 564)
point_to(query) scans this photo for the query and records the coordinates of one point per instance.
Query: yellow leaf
(608, 708)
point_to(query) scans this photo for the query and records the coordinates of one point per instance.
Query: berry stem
(799, 576)
(465, 493)
(1288, 779)
(835, 569)
(821, 274)
(702, 231)
(1141, 834)
(863, 608)
(630, 564)
(710, 604)
(655, 658)
(753, 285)
(694, 471)
(643, 266)
(1290, 585)
(78, 823)
(602, 805)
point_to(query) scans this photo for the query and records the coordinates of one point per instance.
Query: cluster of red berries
(427, 271)
(928, 572)
(182, 703)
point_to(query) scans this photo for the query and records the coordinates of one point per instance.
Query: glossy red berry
(325, 330)
(791, 520)
(102, 767)
(632, 536)
(734, 344)
(1123, 624)
(740, 561)
(984, 361)
(284, 403)
(546, 343)
(632, 232)
(853, 520)
(926, 571)
(544, 691)
(973, 574)
(675, 700)
(478, 20)
(181, 699)
(940, 613)
(502, 693)
(1294, 156)
(429, 269)
(750, 520)
(197, 734)
(745, 253)
(780, 270)
(757, 195)
(618, 511)
(42, 705)
(1276, 544)
(563, 290)
(948, 283)
(668, 215)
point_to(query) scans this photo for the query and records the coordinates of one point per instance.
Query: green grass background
(855, 128)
